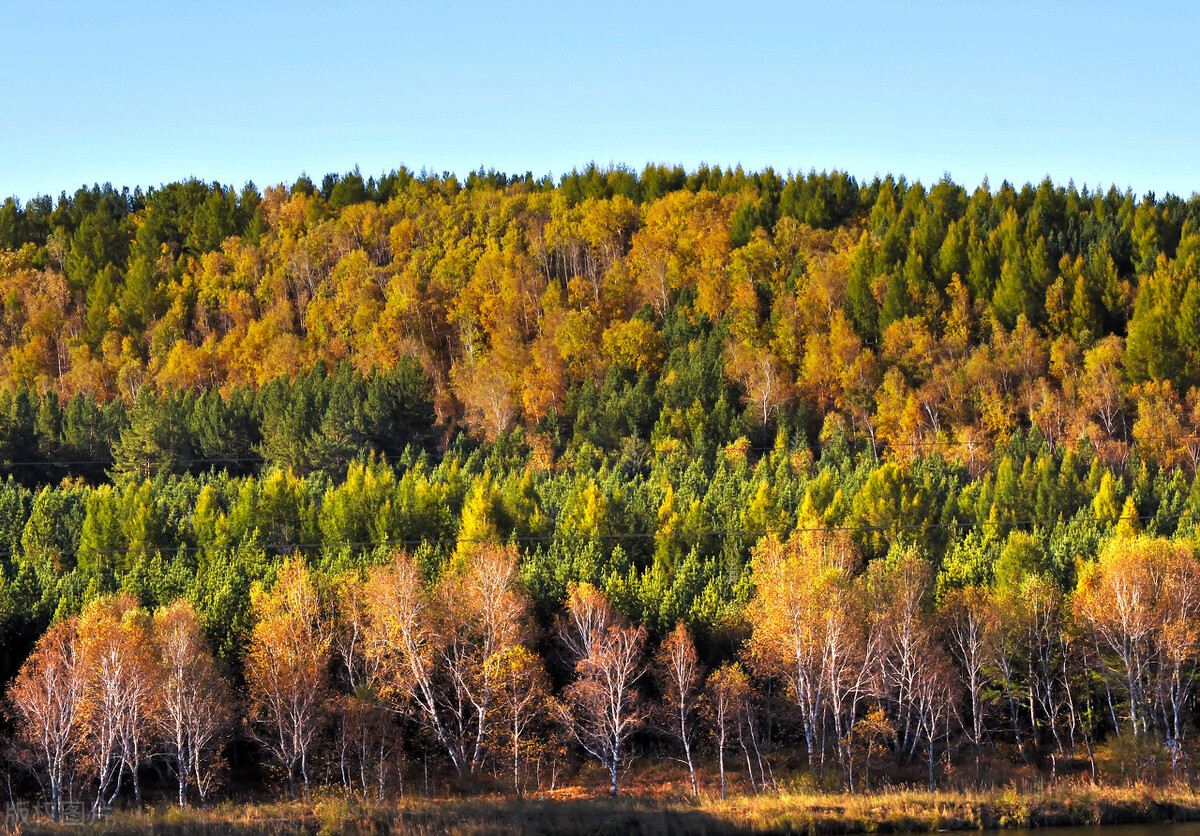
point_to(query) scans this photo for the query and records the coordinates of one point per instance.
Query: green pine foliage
(410, 361)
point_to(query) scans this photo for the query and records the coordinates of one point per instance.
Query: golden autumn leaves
(104, 692)
(897, 310)
(453, 655)
(869, 658)
(444, 652)
(865, 662)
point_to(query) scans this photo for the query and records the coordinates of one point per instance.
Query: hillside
(891, 455)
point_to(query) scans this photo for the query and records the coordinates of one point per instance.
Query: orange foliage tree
(121, 693)
(195, 705)
(436, 645)
(1142, 602)
(287, 665)
(810, 627)
(603, 706)
(46, 703)
(678, 669)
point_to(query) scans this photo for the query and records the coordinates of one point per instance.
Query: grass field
(785, 812)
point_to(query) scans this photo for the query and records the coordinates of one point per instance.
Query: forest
(417, 484)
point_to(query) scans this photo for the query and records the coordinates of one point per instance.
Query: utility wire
(680, 446)
(618, 536)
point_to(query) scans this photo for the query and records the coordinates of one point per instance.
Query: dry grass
(786, 812)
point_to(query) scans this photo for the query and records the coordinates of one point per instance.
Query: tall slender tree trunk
(721, 763)
(932, 783)
(183, 769)
(516, 761)
(687, 750)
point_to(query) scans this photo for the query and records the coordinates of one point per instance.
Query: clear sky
(141, 93)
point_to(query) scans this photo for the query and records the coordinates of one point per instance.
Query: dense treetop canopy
(647, 370)
(682, 391)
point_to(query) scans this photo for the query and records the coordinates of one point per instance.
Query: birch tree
(436, 644)
(602, 706)
(121, 687)
(287, 670)
(195, 705)
(46, 702)
(678, 669)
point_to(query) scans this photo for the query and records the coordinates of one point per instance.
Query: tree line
(923, 316)
(666, 532)
(352, 677)
(321, 421)
(642, 385)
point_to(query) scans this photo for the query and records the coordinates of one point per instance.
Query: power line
(618, 536)
(681, 445)
(111, 462)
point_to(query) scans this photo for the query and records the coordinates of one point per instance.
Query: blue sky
(146, 93)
